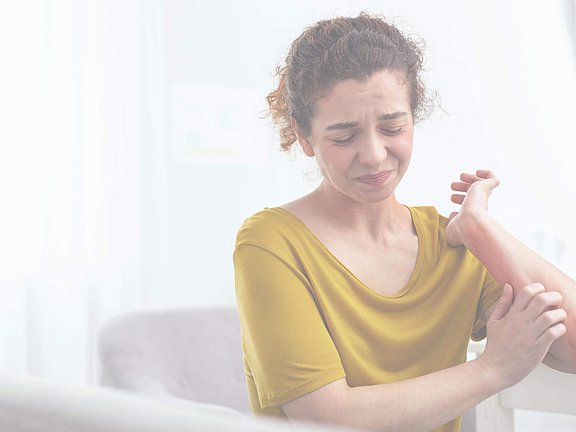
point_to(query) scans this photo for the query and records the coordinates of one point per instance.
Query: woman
(356, 309)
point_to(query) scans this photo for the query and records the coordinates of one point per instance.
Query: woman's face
(361, 136)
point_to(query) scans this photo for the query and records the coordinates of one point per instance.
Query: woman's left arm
(508, 259)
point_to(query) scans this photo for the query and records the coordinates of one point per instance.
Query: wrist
(474, 228)
(491, 374)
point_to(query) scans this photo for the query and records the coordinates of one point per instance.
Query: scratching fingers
(525, 294)
(550, 319)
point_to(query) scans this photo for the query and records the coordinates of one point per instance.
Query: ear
(304, 142)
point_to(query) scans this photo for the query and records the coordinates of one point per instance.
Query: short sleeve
(491, 292)
(285, 341)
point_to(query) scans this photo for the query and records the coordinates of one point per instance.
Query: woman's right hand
(524, 324)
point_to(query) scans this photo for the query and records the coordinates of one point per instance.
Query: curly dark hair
(338, 49)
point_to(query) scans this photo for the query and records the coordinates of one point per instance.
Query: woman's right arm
(519, 335)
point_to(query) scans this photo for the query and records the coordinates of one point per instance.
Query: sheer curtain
(84, 176)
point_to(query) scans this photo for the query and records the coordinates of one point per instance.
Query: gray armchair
(177, 355)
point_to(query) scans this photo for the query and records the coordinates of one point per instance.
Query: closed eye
(388, 132)
(343, 141)
(394, 132)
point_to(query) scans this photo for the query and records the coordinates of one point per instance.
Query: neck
(372, 222)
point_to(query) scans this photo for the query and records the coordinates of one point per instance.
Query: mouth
(382, 175)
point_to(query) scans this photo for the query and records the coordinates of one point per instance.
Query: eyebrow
(349, 125)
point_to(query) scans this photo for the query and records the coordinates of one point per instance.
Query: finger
(525, 294)
(458, 199)
(460, 186)
(452, 216)
(486, 174)
(551, 334)
(549, 319)
(469, 178)
(504, 303)
(543, 302)
(491, 178)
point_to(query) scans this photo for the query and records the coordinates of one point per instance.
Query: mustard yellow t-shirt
(307, 321)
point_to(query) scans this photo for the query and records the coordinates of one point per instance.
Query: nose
(372, 151)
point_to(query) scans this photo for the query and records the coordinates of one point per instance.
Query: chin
(375, 197)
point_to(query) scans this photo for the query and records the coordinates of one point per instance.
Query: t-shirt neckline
(415, 272)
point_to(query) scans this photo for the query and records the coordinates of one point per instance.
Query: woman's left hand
(477, 189)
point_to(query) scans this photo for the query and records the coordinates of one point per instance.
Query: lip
(381, 176)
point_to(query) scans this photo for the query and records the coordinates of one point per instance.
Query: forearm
(421, 403)
(509, 260)
(416, 404)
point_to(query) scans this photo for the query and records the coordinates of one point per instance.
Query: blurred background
(134, 142)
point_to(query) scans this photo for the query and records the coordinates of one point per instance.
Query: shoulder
(431, 228)
(429, 219)
(266, 227)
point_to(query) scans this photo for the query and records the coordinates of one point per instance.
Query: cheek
(407, 151)
(405, 148)
(335, 161)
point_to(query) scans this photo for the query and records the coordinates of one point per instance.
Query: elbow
(572, 350)
(563, 352)
(571, 343)
(335, 404)
(355, 410)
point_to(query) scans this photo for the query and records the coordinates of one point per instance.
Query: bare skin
(384, 265)
(512, 262)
